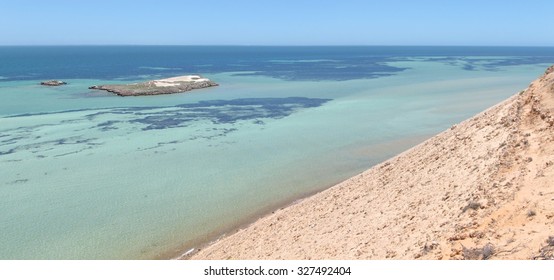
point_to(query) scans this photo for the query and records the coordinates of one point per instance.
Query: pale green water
(74, 186)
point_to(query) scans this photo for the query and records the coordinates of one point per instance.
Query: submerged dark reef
(223, 114)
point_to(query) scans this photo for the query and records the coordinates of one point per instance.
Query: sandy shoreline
(193, 247)
(476, 191)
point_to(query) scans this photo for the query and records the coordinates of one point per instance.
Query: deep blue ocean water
(88, 175)
(289, 63)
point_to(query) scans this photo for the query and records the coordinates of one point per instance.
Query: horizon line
(268, 45)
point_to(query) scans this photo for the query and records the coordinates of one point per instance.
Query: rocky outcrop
(155, 87)
(53, 83)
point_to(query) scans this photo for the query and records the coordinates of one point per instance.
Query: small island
(155, 87)
(53, 83)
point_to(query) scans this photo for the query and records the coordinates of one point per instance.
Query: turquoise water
(89, 175)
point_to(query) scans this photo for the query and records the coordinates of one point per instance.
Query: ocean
(86, 174)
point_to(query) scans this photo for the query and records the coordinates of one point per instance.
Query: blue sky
(277, 22)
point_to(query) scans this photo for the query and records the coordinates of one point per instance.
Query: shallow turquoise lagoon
(89, 175)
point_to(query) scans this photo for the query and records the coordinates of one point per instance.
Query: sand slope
(482, 189)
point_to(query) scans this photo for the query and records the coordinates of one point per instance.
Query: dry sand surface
(484, 189)
(171, 82)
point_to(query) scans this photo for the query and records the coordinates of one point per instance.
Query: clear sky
(277, 22)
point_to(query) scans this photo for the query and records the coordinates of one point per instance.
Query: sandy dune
(482, 189)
